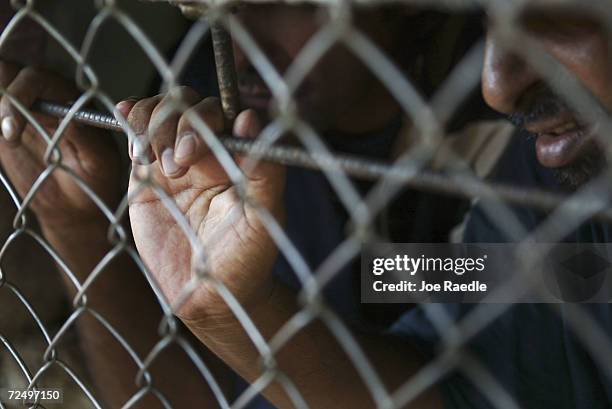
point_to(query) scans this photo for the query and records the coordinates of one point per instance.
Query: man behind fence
(354, 112)
(530, 350)
(535, 351)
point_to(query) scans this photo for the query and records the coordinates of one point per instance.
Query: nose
(505, 78)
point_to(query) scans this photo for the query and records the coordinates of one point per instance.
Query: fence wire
(428, 119)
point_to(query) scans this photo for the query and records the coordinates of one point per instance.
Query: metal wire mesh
(428, 119)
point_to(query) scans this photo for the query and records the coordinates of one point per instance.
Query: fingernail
(131, 149)
(9, 128)
(122, 108)
(186, 146)
(118, 112)
(125, 105)
(139, 149)
(169, 166)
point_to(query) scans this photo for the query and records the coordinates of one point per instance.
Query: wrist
(221, 317)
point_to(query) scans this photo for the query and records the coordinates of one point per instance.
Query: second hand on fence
(351, 165)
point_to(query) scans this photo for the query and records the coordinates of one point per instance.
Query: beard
(590, 164)
(543, 104)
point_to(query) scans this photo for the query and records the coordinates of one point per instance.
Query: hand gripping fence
(428, 118)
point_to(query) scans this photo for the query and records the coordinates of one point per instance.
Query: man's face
(339, 94)
(564, 141)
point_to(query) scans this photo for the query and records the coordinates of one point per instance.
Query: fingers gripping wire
(429, 118)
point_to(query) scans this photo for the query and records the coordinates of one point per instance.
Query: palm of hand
(237, 248)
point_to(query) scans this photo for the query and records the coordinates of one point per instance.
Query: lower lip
(556, 151)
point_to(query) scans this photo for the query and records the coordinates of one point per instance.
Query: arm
(313, 359)
(122, 296)
(240, 253)
(77, 230)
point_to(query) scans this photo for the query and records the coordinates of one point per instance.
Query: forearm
(122, 296)
(313, 359)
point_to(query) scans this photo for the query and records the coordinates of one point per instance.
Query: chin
(580, 172)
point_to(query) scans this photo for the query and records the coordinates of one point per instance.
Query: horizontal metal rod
(353, 166)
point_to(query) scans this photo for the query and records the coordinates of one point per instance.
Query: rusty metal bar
(226, 72)
(354, 166)
(224, 56)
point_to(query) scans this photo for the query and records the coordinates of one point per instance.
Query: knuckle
(166, 107)
(188, 93)
(212, 102)
(163, 132)
(31, 72)
(163, 123)
(124, 107)
(175, 100)
(136, 112)
(210, 111)
(187, 119)
(139, 116)
(212, 106)
(137, 123)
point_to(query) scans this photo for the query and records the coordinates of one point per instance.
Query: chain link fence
(425, 130)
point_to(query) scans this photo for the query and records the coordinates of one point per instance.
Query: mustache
(540, 106)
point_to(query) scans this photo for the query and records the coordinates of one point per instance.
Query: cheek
(589, 60)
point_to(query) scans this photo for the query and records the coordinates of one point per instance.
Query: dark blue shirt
(317, 222)
(531, 350)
